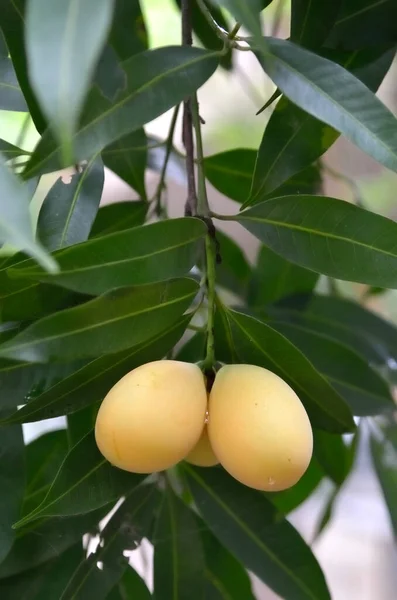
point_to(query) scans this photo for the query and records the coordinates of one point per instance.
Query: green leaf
(115, 321)
(12, 484)
(127, 158)
(123, 532)
(69, 209)
(9, 150)
(130, 586)
(81, 422)
(231, 172)
(194, 349)
(306, 182)
(312, 21)
(156, 81)
(92, 382)
(384, 457)
(332, 454)
(288, 500)
(234, 271)
(118, 216)
(330, 93)
(226, 578)
(47, 539)
(350, 243)
(252, 341)
(293, 139)
(11, 97)
(364, 390)
(141, 255)
(84, 482)
(247, 13)
(248, 525)
(275, 278)
(128, 32)
(63, 44)
(15, 221)
(178, 552)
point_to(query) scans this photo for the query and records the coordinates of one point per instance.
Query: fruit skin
(153, 416)
(202, 454)
(258, 428)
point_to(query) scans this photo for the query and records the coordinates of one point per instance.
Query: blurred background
(356, 550)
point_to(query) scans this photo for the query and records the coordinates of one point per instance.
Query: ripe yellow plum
(153, 417)
(258, 428)
(202, 454)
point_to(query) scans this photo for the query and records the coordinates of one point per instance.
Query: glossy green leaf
(81, 422)
(244, 339)
(312, 21)
(116, 321)
(69, 209)
(350, 243)
(384, 457)
(130, 586)
(92, 382)
(288, 500)
(178, 552)
(128, 32)
(364, 390)
(136, 256)
(275, 278)
(63, 43)
(45, 540)
(330, 93)
(84, 482)
(332, 454)
(194, 349)
(11, 97)
(127, 158)
(118, 216)
(307, 181)
(231, 172)
(234, 271)
(15, 221)
(156, 81)
(123, 532)
(12, 483)
(249, 526)
(9, 150)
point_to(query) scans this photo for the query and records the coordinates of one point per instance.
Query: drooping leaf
(249, 526)
(275, 278)
(127, 158)
(131, 586)
(364, 390)
(9, 150)
(327, 236)
(12, 483)
(156, 80)
(115, 321)
(91, 383)
(118, 216)
(231, 172)
(178, 552)
(63, 43)
(136, 256)
(123, 532)
(234, 271)
(244, 339)
(15, 221)
(69, 209)
(312, 21)
(384, 457)
(11, 97)
(84, 482)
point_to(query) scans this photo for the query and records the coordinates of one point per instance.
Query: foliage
(93, 292)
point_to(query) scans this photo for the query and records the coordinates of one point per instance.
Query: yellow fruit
(153, 417)
(258, 428)
(202, 454)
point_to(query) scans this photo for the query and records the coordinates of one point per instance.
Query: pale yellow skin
(153, 417)
(258, 428)
(202, 454)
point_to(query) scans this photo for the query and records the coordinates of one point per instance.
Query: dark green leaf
(312, 21)
(12, 483)
(137, 256)
(84, 482)
(252, 341)
(250, 527)
(80, 423)
(115, 321)
(130, 586)
(63, 43)
(384, 457)
(15, 220)
(123, 532)
(92, 382)
(332, 454)
(11, 97)
(364, 390)
(69, 209)
(231, 172)
(156, 81)
(194, 349)
(9, 150)
(234, 271)
(332, 94)
(127, 158)
(119, 216)
(128, 32)
(45, 540)
(307, 181)
(275, 278)
(350, 243)
(288, 500)
(178, 552)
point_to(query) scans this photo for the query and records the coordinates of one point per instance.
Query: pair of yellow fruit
(258, 429)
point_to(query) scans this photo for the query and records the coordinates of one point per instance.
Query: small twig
(231, 39)
(356, 192)
(168, 148)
